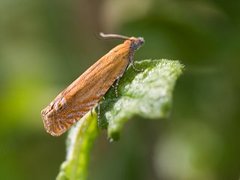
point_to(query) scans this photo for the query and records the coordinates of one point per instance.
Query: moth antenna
(113, 36)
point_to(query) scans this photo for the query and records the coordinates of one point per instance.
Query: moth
(87, 90)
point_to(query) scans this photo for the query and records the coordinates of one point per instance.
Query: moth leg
(115, 86)
(98, 114)
(135, 68)
(131, 62)
(99, 111)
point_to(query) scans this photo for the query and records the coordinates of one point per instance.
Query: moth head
(136, 43)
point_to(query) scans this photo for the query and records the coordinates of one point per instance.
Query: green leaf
(146, 93)
(79, 143)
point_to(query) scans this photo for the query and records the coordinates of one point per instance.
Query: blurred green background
(46, 44)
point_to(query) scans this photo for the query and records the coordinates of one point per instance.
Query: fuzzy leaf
(79, 143)
(146, 93)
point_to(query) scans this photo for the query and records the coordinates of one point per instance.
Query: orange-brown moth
(87, 90)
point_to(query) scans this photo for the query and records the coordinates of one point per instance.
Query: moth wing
(85, 92)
